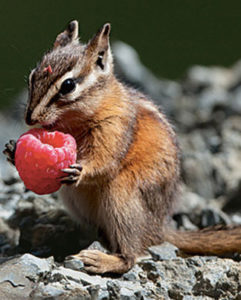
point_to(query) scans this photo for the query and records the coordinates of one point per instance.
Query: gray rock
(184, 222)
(126, 294)
(113, 288)
(103, 295)
(133, 274)
(28, 266)
(236, 218)
(209, 100)
(217, 280)
(18, 275)
(79, 277)
(43, 291)
(94, 291)
(190, 202)
(74, 264)
(210, 217)
(197, 169)
(97, 246)
(58, 292)
(210, 76)
(165, 251)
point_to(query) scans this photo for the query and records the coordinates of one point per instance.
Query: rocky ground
(36, 234)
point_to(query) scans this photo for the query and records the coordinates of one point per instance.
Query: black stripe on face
(32, 79)
(53, 99)
(28, 118)
(80, 79)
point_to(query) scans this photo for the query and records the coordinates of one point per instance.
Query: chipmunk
(127, 176)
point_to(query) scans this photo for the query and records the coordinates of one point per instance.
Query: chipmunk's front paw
(9, 151)
(94, 261)
(72, 174)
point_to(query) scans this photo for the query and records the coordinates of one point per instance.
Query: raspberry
(40, 155)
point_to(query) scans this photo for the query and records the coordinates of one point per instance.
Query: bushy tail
(216, 240)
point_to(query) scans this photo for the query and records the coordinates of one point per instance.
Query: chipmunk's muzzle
(28, 118)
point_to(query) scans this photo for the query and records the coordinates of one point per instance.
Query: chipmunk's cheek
(49, 121)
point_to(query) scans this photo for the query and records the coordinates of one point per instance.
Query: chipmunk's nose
(28, 118)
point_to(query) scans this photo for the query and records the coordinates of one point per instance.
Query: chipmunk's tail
(216, 240)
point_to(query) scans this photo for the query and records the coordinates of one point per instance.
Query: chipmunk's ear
(70, 35)
(100, 42)
(98, 47)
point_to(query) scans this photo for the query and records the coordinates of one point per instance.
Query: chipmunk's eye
(67, 86)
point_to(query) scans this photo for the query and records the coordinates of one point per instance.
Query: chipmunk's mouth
(48, 125)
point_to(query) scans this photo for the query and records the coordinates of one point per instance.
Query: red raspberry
(40, 155)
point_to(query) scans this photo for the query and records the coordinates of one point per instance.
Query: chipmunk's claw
(76, 166)
(9, 151)
(73, 173)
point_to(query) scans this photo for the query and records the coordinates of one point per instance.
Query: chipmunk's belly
(81, 202)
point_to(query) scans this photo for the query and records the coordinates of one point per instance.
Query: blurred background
(169, 36)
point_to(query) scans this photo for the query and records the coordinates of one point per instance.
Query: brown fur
(128, 152)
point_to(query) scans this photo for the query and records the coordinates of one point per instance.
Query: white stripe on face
(88, 81)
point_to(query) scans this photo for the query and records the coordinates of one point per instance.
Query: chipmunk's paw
(98, 262)
(72, 174)
(9, 151)
(94, 261)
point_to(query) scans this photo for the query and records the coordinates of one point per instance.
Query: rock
(126, 294)
(46, 229)
(18, 275)
(133, 274)
(184, 222)
(79, 277)
(165, 251)
(29, 265)
(113, 288)
(236, 218)
(97, 246)
(210, 76)
(217, 280)
(195, 277)
(74, 264)
(190, 202)
(58, 292)
(210, 217)
(209, 100)
(103, 295)
(197, 174)
(235, 103)
(46, 291)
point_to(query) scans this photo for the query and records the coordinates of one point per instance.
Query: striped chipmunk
(127, 173)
